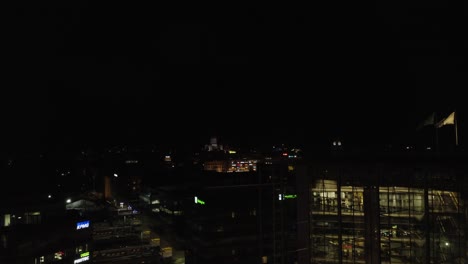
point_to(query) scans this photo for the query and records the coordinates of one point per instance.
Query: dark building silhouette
(42, 230)
(237, 216)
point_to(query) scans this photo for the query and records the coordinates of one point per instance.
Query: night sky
(95, 74)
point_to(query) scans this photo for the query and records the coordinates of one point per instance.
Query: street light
(115, 175)
(49, 196)
(68, 200)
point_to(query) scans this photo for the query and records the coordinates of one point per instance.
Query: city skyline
(326, 133)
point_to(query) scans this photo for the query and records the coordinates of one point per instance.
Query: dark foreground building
(238, 217)
(35, 230)
(383, 209)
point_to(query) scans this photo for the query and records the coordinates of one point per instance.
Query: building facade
(408, 209)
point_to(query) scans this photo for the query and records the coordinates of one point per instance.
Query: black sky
(100, 74)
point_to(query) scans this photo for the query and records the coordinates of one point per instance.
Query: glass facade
(376, 218)
(332, 237)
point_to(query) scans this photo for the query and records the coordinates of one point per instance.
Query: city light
(68, 200)
(82, 225)
(81, 260)
(49, 196)
(198, 201)
(286, 196)
(115, 175)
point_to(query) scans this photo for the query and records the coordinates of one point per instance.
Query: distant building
(236, 165)
(214, 146)
(219, 159)
(216, 165)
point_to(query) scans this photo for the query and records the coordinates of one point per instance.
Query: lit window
(78, 249)
(233, 214)
(59, 255)
(7, 220)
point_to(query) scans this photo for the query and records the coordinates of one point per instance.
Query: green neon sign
(84, 254)
(198, 201)
(290, 196)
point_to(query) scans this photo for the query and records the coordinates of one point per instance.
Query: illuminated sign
(84, 254)
(198, 201)
(83, 259)
(82, 225)
(232, 152)
(286, 196)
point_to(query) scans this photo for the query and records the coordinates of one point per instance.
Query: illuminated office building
(233, 165)
(384, 210)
